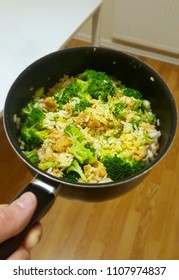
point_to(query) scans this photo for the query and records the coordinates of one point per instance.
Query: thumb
(14, 217)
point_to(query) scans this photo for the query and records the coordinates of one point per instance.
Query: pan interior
(130, 70)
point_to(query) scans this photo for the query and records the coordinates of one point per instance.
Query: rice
(130, 135)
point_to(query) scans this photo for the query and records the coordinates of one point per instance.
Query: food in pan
(89, 128)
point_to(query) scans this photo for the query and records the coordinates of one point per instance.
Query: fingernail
(33, 239)
(26, 200)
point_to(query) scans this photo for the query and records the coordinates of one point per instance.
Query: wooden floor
(142, 224)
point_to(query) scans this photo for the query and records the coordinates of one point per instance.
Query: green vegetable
(80, 152)
(39, 93)
(139, 107)
(95, 136)
(90, 147)
(32, 116)
(100, 85)
(89, 84)
(32, 132)
(73, 172)
(76, 89)
(32, 137)
(35, 118)
(120, 168)
(131, 92)
(27, 109)
(32, 156)
(74, 132)
(66, 94)
(71, 176)
(81, 106)
(151, 118)
(118, 108)
(46, 165)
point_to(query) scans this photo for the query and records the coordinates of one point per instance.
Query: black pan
(46, 72)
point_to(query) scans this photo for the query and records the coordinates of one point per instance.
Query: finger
(20, 254)
(14, 217)
(33, 237)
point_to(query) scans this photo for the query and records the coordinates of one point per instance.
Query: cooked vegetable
(77, 90)
(89, 129)
(35, 118)
(80, 152)
(120, 168)
(32, 137)
(32, 156)
(75, 171)
(47, 165)
(131, 92)
(99, 84)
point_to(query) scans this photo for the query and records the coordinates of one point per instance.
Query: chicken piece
(101, 170)
(140, 153)
(61, 143)
(82, 119)
(93, 122)
(68, 108)
(88, 171)
(50, 104)
(88, 120)
(54, 134)
(57, 172)
(95, 172)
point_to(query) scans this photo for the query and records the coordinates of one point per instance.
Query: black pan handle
(45, 190)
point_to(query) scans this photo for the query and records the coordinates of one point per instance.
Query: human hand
(14, 218)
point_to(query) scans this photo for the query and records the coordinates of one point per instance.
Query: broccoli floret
(119, 168)
(89, 84)
(46, 165)
(67, 93)
(72, 169)
(89, 146)
(83, 97)
(147, 138)
(82, 86)
(71, 176)
(152, 118)
(118, 108)
(72, 90)
(27, 109)
(100, 85)
(32, 137)
(80, 152)
(139, 106)
(32, 115)
(131, 92)
(32, 156)
(39, 93)
(81, 106)
(74, 132)
(76, 89)
(31, 131)
(35, 118)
